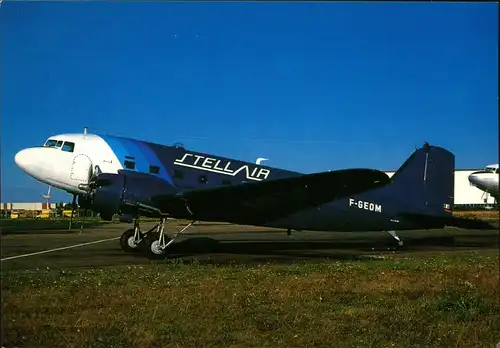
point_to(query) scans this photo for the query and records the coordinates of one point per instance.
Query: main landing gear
(152, 244)
(132, 238)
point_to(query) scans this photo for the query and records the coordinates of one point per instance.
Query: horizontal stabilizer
(260, 202)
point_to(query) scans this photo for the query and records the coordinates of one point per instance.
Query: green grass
(9, 226)
(449, 300)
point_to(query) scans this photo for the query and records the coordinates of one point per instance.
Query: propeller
(91, 184)
(87, 187)
(72, 211)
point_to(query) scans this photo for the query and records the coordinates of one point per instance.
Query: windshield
(53, 143)
(66, 146)
(490, 170)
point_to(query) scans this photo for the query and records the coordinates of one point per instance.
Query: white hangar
(465, 193)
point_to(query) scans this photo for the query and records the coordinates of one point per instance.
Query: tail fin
(426, 181)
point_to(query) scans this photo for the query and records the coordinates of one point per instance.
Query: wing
(254, 203)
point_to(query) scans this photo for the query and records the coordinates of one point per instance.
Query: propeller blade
(72, 211)
(83, 220)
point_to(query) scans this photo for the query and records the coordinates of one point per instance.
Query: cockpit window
(53, 143)
(68, 146)
(490, 170)
(60, 144)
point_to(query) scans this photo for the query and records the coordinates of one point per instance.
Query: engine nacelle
(126, 193)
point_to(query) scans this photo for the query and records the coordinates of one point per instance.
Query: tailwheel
(395, 236)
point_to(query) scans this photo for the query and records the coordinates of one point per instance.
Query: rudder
(426, 180)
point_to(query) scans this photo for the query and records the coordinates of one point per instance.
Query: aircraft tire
(127, 242)
(149, 247)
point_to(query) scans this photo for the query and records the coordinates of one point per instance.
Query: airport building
(467, 195)
(32, 210)
(27, 206)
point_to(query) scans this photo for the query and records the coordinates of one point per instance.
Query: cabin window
(68, 146)
(226, 182)
(178, 174)
(202, 179)
(129, 162)
(154, 169)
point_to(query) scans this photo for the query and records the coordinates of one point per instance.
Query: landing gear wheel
(128, 243)
(150, 247)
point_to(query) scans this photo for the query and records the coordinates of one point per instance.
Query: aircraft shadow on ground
(289, 250)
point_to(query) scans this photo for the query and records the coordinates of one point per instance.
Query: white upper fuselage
(68, 160)
(487, 179)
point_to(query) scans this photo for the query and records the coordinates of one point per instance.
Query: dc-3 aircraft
(116, 175)
(487, 180)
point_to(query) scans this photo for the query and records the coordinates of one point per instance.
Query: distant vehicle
(45, 214)
(487, 180)
(116, 175)
(67, 213)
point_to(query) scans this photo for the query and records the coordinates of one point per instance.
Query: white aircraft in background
(487, 180)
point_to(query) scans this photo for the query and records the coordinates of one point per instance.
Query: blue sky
(312, 86)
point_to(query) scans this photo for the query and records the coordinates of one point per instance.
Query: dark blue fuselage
(374, 210)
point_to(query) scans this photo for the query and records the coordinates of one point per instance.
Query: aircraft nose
(24, 159)
(474, 178)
